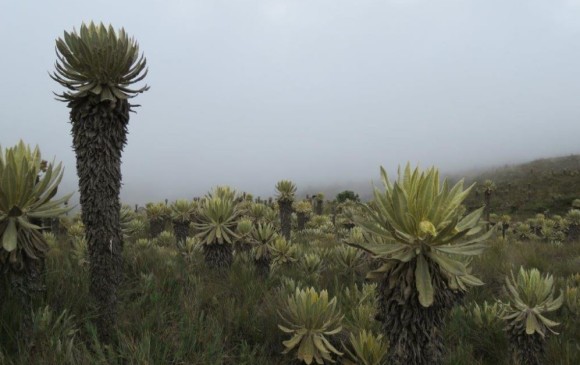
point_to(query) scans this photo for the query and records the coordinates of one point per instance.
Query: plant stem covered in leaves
(99, 66)
(417, 229)
(286, 190)
(414, 332)
(99, 134)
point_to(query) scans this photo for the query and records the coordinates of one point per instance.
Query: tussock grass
(173, 310)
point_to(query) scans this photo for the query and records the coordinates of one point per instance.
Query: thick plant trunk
(181, 231)
(318, 207)
(218, 256)
(574, 232)
(55, 226)
(504, 228)
(99, 132)
(28, 285)
(487, 196)
(414, 332)
(242, 246)
(526, 349)
(263, 266)
(156, 226)
(302, 218)
(286, 218)
(18, 283)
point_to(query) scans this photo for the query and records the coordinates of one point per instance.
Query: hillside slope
(545, 185)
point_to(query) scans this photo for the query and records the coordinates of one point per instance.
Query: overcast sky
(247, 93)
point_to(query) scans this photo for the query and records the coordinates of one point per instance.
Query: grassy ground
(174, 310)
(546, 185)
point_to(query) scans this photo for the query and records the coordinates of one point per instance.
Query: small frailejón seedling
(262, 238)
(367, 349)
(283, 252)
(309, 317)
(531, 297)
(416, 228)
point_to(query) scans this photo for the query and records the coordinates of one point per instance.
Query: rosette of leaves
(572, 296)
(310, 317)
(216, 231)
(190, 248)
(286, 191)
(573, 280)
(283, 252)
(559, 221)
(80, 251)
(99, 67)
(417, 229)
(367, 349)
(523, 232)
(311, 266)
(157, 213)
(536, 223)
(182, 214)
(76, 230)
(504, 223)
(487, 315)
(134, 229)
(357, 236)
(272, 216)
(99, 62)
(244, 232)
(321, 222)
(224, 192)
(26, 194)
(244, 206)
(285, 197)
(257, 212)
(348, 259)
(262, 237)
(303, 210)
(319, 200)
(551, 234)
(345, 212)
(483, 329)
(248, 197)
(325, 253)
(143, 242)
(51, 240)
(359, 304)
(126, 216)
(165, 239)
(531, 296)
(288, 286)
(573, 220)
(28, 186)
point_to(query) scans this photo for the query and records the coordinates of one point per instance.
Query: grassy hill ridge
(522, 190)
(547, 185)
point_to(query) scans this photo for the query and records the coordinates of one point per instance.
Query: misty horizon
(321, 93)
